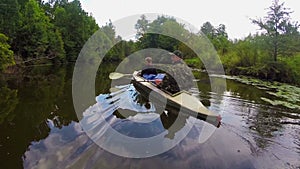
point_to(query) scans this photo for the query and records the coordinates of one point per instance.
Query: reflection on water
(126, 124)
(39, 128)
(140, 117)
(8, 104)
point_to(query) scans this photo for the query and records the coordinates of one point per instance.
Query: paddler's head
(148, 60)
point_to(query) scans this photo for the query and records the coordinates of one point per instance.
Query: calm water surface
(39, 127)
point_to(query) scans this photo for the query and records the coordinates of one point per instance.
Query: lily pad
(286, 95)
(281, 103)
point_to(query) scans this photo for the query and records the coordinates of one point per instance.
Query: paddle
(117, 75)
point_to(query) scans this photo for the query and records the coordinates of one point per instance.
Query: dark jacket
(148, 70)
(178, 77)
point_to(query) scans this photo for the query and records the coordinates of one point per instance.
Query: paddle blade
(115, 75)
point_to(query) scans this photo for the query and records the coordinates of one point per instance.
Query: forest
(34, 32)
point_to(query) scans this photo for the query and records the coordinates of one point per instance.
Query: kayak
(183, 100)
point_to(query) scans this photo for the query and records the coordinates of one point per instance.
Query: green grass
(294, 64)
(194, 63)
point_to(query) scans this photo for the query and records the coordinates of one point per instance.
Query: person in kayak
(176, 57)
(178, 75)
(148, 72)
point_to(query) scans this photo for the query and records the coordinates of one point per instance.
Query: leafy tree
(75, 25)
(9, 18)
(6, 55)
(37, 38)
(56, 46)
(22, 3)
(248, 52)
(209, 30)
(141, 26)
(49, 8)
(221, 31)
(156, 25)
(120, 50)
(154, 34)
(290, 40)
(276, 23)
(32, 37)
(109, 31)
(221, 41)
(217, 36)
(175, 32)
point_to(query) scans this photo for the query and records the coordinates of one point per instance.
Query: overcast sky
(234, 14)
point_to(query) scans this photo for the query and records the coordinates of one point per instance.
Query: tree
(217, 36)
(56, 45)
(32, 38)
(141, 26)
(290, 40)
(109, 30)
(75, 26)
(6, 55)
(150, 37)
(208, 30)
(9, 18)
(275, 23)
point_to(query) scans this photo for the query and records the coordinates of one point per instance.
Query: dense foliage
(6, 55)
(41, 31)
(272, 54)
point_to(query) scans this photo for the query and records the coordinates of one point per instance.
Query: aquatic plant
(285, 95)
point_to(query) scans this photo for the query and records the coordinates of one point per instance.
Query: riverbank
(286, 70)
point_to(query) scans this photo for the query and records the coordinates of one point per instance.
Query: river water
(39, 127)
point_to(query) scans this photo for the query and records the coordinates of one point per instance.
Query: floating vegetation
(285, 95)
(281, 103)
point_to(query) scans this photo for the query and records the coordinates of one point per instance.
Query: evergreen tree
(275, 24)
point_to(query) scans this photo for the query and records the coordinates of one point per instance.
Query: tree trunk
(275, 46)
(275, 52)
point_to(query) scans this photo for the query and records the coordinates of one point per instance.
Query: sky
(234, 14)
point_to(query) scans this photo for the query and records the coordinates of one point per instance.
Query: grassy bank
(286, 69)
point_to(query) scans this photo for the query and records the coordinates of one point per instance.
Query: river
(39, 127)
